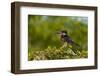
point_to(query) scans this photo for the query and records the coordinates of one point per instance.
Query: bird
(66, 38)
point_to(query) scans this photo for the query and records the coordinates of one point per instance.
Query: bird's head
(63, 32)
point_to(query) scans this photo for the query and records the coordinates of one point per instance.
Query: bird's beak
(58, 33)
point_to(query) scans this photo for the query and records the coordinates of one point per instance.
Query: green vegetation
(45, 44)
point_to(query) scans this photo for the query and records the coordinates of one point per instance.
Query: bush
(51, 53)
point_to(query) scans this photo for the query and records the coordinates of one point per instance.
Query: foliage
(44, 43)
(63, 52)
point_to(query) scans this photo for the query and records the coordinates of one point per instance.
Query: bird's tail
(76, 48)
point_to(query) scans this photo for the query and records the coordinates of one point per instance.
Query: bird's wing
(70, 41)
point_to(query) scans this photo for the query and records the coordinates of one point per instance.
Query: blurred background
(42, 33)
